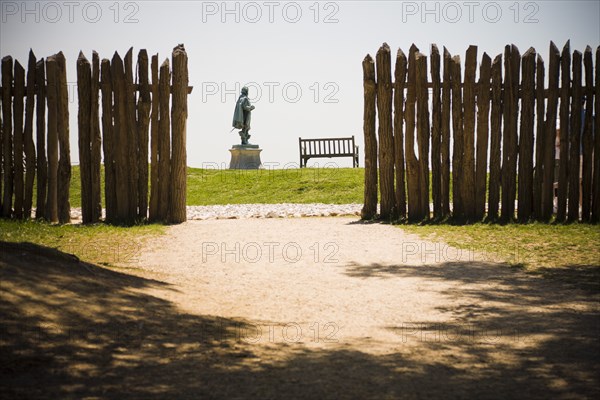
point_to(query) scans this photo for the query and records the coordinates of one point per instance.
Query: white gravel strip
(284, 210)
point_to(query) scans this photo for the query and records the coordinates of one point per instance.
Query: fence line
(505, 123)
(120, 135)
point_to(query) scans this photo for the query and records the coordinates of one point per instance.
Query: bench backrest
(327, 146)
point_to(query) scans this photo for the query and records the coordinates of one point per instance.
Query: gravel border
(283, 210)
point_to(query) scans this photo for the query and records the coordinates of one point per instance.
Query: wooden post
(28, 144)
(525, 199)
(587, 138)
(154, 185)
(512, 61)
(495, 138)
(540, 102)
(458, 211)
(120, 141)
(96, 141)
(52, 89)
(1, 163)
(565, 98)
(84, 77)
(596, 175)
(483, 115)
(412, 166)
(110, 189)
(143, 110)
(550, 134)
(64, 162)
(575, 141)
(40, 130)
(445, 133)
(19, 182)
(436, 135)
(89, 138)
(423, 134)
(369, 209)
(399, 84)
(7, 134)
(132, 136)
(164, 145)
(385, 133)
(468, 167)
(177, 211)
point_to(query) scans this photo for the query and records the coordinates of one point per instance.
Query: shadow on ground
(537, 333)
(75, 330)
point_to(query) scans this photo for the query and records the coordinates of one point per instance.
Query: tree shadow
(71, 329)
(543, 333)
(584, 277)
(75, 330)
(361, 221)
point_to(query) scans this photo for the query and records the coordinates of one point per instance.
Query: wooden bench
(328, 148)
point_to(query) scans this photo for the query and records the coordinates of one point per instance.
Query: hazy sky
(301, 60)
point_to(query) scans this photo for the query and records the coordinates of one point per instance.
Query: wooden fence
(497, 130)
(130, 112)
(45, 90)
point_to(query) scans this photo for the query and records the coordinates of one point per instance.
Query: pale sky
(301, 60)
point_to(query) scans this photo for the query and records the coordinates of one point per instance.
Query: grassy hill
(305, 185)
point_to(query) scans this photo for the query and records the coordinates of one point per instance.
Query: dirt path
(335, 285)
(309, 308)
(366, 280)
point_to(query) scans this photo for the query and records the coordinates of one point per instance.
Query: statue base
(245, 156)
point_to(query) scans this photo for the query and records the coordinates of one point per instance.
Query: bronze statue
(241, 115)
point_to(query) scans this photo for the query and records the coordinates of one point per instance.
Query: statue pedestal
(245, 156)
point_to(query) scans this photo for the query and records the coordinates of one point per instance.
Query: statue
(241, 115)
(246, 155)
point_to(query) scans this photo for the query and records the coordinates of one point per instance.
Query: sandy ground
(296, 308)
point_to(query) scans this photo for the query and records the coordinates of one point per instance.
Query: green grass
(533, 246)
(305, 185)
(99, 244)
